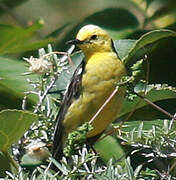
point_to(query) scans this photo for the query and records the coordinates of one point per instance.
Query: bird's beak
(75, 42)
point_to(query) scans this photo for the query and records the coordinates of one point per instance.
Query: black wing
(73, 92)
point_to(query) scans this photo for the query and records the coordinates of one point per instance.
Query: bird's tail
(57, 151)
(57, 155)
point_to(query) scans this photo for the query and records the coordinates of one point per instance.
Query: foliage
(142, 145)
(85, 166)
(76, 139)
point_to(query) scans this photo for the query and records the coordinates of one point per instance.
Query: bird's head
(91, 39)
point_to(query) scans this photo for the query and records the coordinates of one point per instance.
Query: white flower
(38, 65)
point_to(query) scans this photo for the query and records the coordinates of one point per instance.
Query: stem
(24, 102)
(114, 130)
(172, 122)
(66, 54)
(155, 106)
(42, 97)
(103, 106)
(172, 167)
(148, 68)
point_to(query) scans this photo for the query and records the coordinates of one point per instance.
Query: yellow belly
(102, 73)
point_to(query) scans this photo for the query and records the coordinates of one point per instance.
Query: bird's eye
(93, 37)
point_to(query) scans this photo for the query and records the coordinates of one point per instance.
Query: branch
(155, 106)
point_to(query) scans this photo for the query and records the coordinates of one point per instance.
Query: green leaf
(137, 171)
(109, 148)
(154, 93)
(30, 161)
(123, 47)
(29, 46)
(34, 157)
(17, 39)
(13, 84)
(129, 168)
(14, 123)
(147, 39)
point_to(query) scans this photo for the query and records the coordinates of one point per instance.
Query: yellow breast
(102, 72)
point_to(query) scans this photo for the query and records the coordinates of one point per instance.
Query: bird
(93, 81)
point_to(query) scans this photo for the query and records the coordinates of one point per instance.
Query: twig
(172, 121)
(104, 104)
(148, 69)
(114, 130)
(42, 97)
(155, 106)
(66, 55)
(24, 102)
(172, 167)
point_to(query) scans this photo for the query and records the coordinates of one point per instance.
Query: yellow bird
(92, 83)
